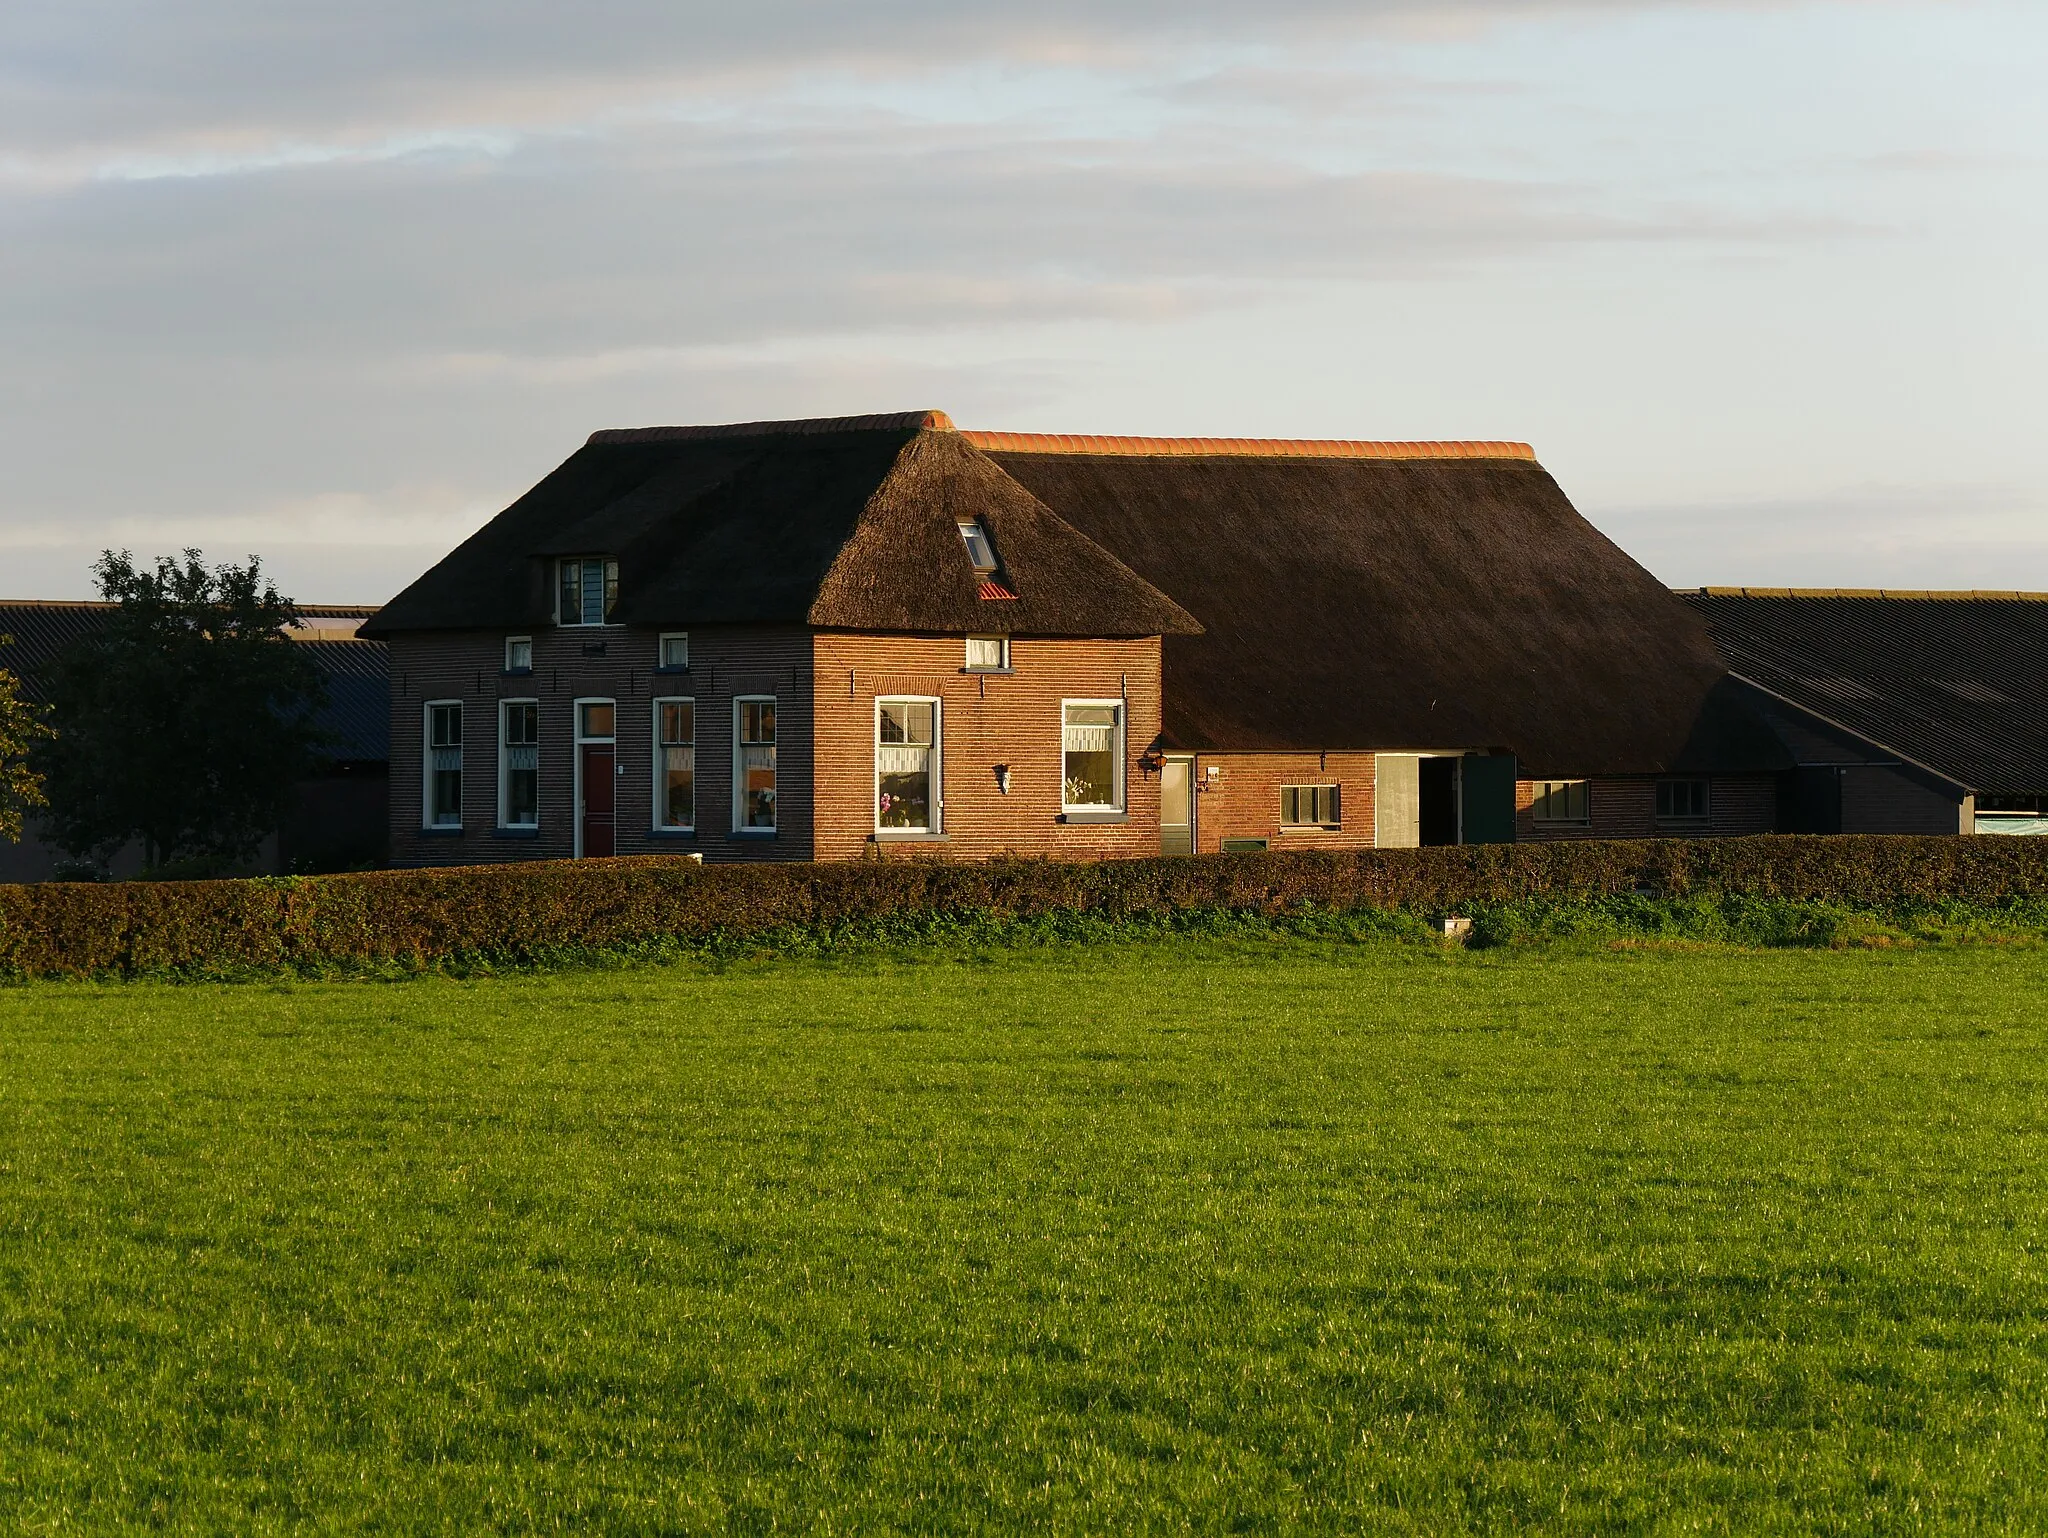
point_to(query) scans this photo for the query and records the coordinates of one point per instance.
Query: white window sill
(907, 836)
(1089, 814)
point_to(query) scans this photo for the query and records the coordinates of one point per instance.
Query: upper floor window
(589, 590)
(1091, 755)
(1681, 800)
(444, 764)
(979, 550)
(1562, 801)
(1309, 806)
(675, 651)
(519, 654)
(988, 653)
(754, 764)
(519, 764)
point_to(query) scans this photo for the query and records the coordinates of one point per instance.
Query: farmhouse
(826, 638)
(339, 816)
(1906, 712)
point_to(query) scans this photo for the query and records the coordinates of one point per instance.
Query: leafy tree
(185, 721)
(21, 729)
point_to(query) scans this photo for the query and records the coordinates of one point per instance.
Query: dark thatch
(357, 714)
(1379, 602)
(1957, 682)
(845, 523)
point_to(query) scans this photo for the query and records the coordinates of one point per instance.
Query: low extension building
(1905, 712)
(831, 638)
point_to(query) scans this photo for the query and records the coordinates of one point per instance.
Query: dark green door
(1489, 788)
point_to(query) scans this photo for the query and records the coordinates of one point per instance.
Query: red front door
(597, 799)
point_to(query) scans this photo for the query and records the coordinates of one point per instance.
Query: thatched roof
(1955, 681)
(840, 523)
(1398, 595)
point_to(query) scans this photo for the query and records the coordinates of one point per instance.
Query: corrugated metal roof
(358, 711)
(1957, 681)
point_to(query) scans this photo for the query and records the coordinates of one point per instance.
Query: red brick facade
(1627, 808)
(1242, 799)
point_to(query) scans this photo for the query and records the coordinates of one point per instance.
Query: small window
(906, 765)
(519, 764)
(519, 654)
(1309, 806)
(595, 720)
(675, 652)
(754, 765)
(675, 765)
(589, 590)
(444, 764)
(1681, 800)
(1091, 744)
(1562, 801)
(978, 548)
(988, 653)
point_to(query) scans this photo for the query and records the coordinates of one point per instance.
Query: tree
(21, 729)
(185, 721)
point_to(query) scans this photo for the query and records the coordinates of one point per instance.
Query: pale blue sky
(334, 283)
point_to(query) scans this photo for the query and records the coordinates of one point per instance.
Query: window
(519, 764)
(753, 764)
(444, 764)
(675, 652)
(675, 765)
(519, 654)
(595, 720)
(906, 765)
(589, 590)
(988, 653)
(1681, 800)
(978, 548)
(1308, 806)
(1091, 768)
(1563, 801)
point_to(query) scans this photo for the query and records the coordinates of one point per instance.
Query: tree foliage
(186, 720)
(22, 728)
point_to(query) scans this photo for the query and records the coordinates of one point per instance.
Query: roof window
(588, 590)
(978, 549)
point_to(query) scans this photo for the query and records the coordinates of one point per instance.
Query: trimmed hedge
(519, 914)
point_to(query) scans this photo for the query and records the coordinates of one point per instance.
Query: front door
(1177, 806)
(598, 793)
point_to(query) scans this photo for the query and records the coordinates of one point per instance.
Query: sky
(334, 283)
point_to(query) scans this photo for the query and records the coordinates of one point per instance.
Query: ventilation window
(978, 548)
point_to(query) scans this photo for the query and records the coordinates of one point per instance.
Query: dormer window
(978, 549)
(589, 590)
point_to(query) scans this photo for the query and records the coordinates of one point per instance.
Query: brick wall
(1627, 808)
(1882, 800)
(724, 662)
(986, 719)
(1244, 800)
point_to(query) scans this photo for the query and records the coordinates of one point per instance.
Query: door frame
(577, 740)
(1194, 801)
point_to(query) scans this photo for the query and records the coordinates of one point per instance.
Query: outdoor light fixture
(1003, 778)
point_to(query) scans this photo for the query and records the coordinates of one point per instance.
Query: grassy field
(1221, 1238)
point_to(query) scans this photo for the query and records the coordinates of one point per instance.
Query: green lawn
(1211, 1238)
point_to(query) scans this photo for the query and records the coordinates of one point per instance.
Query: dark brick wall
(1627, 808)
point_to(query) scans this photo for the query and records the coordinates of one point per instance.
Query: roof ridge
(1952, 594)
(888, 421)
(1265, 448)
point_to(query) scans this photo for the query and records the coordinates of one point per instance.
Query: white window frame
(1541, 799)
(1121, 806)
(1336, 791)
(658, 799)
(611, 565)
(661, 661)
(969, 665)
(518, 640)
(505, 767)
(937, 823)
(427, 710)
(739, 776)
(972, 533)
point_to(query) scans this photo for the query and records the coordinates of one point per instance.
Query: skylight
(978, 549)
